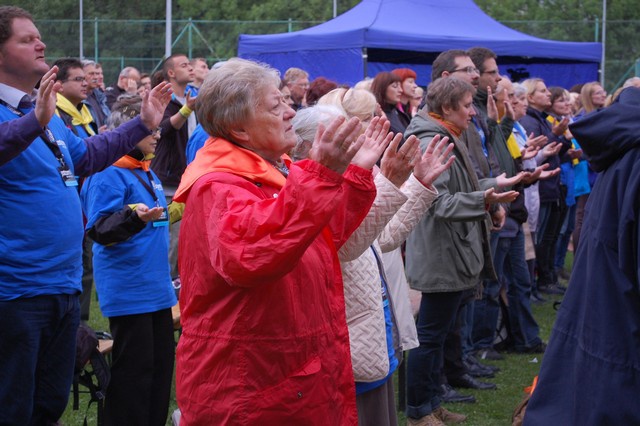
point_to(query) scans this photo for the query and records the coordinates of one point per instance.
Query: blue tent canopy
(378, 35)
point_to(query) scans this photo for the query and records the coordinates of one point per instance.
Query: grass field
(493, 408)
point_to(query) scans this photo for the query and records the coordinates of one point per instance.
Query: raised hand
(335, 146)
(46, 100)
(154, 103)
(190, 102)
(502, 180)
(508, 110)
(436, 159)
(531, 177)
(377, 138)
(396, 164)
(575, 154)
(492, 108)
(493, 197)
(561, 127)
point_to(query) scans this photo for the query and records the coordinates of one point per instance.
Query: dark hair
(479, 55)
(7, 15)
(318, 88)
(556, 92)
(157, 78)
(447, 92)
(379, 86)
(167, 65)
(64, 65)
(446, 61)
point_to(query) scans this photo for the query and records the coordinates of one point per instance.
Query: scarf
(452, 128)
(80, 117)
(220, 155)
(130, 162)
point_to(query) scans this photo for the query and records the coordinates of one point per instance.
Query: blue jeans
(487, 309)
(513, 267)
(436, 317)
(565, 234)
(37, 355)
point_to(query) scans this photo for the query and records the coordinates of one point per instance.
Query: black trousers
(142, 369)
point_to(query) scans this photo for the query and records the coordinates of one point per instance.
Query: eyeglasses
(77, 79)
(493, 72)
(468, 70)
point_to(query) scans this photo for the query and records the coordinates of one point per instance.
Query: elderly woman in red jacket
(265, 338)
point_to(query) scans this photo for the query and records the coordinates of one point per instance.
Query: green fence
(138, 43)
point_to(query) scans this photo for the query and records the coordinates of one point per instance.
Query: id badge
(163, 220)
(67, 176)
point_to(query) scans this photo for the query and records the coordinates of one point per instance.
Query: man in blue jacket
(41, 229)
(591, 370)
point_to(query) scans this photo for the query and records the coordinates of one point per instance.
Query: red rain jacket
(265, 338)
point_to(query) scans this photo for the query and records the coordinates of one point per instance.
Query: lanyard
(50, 141)
(146, 185)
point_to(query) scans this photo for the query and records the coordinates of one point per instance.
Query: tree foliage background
(133, 32)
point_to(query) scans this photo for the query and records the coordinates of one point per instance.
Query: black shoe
(536, 297)
(562, 273)
(561, 287)
(468, 382)
(450, 395)
(475, 369)
(550, 289)
(537, 349)
(490, 354)
(473, 359)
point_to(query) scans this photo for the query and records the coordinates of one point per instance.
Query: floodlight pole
(335, 8)
(167, 30)
(604, 41)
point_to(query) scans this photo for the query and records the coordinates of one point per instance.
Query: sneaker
(430, 420)
(447, 416)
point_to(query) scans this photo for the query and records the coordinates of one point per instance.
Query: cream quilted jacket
(391, 218)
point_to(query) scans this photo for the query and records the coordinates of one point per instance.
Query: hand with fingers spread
(532, 176)
(153, 105)
(436, 159)
(335, 146)
(551, 149)
(377, 138)
(397, 164)
(190, 102)
(493, 197)
(529, 152)
(46, 100)
(131, 87)
(546, 174)
(503, 181)
(537, 141)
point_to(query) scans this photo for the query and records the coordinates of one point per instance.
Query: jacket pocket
(467, 242)
(291, 397)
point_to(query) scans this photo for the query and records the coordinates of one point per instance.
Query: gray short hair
(230, 94)
(126, 108)
(305, 124)
(447, 92)
(519, 90)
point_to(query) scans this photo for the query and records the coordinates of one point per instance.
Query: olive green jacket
(449, 249)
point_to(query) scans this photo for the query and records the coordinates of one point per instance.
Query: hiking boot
(447, 416)
(430, 420)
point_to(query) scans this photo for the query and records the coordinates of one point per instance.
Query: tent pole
(604, 41)
(365, 57)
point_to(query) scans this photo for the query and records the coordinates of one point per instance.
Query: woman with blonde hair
(592, 97)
